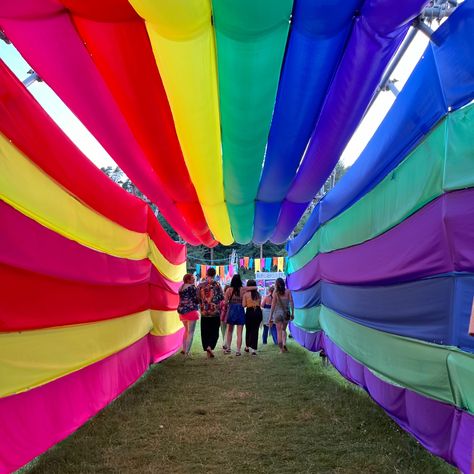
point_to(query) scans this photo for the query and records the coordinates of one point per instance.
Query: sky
(96, 153)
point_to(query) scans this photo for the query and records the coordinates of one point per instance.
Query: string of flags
(258, 264)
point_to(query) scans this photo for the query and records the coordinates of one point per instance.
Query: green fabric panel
(459, 150)
(440, 372)
(308, 318)
(425, 174)
(251, 38)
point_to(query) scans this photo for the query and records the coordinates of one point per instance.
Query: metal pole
(261, 250)
(212, 255)
(393, 64)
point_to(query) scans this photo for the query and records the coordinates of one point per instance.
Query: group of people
(235, 307)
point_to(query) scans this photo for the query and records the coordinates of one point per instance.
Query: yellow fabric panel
(28, 189)
(32, 358)
(183, 43)
(167, 269)
(165, 322)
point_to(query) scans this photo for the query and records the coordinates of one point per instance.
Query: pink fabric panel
(40, 250)
(33, 421)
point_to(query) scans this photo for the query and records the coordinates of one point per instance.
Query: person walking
(224, 308)
(251, 301)
(236, 313)
(282, 311)
(188, 311)
(266, 308)
(210, 295)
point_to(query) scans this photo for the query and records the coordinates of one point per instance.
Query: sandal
(238, 354)
(285, 349)
(247, 349)
(227, 351)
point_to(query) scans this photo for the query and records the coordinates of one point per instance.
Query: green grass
(274, 413)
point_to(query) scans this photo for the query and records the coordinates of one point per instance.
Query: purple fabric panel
(376, 35)
(436, 239)
(441, 428)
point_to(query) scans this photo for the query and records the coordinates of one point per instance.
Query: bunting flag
(258, 262)
(279, 264)
(251, 263)
(246, 262)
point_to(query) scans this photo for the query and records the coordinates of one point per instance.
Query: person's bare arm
(228, 295)
(272, 310)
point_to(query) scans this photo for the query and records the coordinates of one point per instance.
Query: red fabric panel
(118, 42)
(32, 301)
(61, 59)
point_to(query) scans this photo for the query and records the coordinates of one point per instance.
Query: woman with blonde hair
(282, 311)
(188, 310)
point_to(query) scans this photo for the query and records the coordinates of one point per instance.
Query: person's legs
(283, 335)
(273, 330)
(223, 333)
(239, 338)
(279, 332)
(189, 340)
(214, 333)
(230, 330)
(205, 332)
(255, 327)
(248, 330)
(185, 336)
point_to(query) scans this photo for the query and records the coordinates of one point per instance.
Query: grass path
(274, 413)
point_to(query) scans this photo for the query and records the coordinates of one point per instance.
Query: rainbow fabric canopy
(229, 116)
(225, 114)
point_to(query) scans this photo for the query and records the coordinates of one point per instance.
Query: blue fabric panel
(266, 214)
(464, 291)
(443, 78)
(436, 309)
(309, 297)
(319, 31)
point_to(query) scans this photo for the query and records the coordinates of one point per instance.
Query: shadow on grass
(270, 413)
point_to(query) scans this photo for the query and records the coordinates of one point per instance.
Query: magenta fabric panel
(33, 421)
(61, 60)
(441, 428)
(161, 347)
(376, 35)
(28, 245)
(436, 239)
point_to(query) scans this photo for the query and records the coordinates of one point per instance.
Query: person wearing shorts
(281, 312)
(188, 311)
